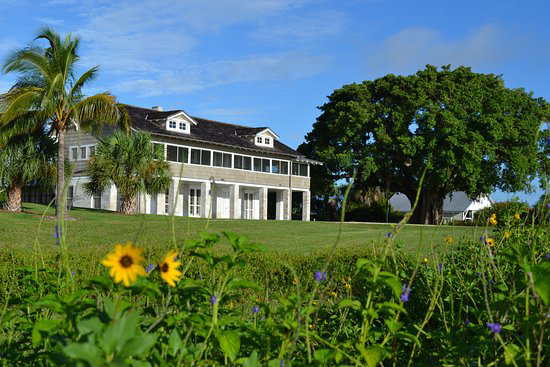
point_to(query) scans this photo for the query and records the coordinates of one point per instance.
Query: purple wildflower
(56, 233)
(255, 309)
(495, 328)
(149, 268)
(548, 140)
(405, 294)
(482, 239)
(213, 299)
(281, 363)
(440, 266)
(389, 235)
(320, 276)
(73, 273)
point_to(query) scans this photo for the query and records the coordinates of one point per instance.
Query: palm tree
(23, 159)
(49, 93)
(128, 161)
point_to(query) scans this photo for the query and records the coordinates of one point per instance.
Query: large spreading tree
(468, 130)
(48, 94)
(129, 162)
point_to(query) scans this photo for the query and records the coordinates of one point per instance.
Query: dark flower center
(126, 261)
(164, 268)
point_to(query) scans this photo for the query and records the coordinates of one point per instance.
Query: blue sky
(272, 62)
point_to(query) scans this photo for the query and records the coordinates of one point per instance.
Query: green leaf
(138, 345)
(348, 303)
(86, 352)
(374, 355)
(42, 329)
(230, 343)
(393, 325)
(252, 361)
(324, 355)
(91, 325)
(174, 343)
(510, 352)
(239, 283)
(541, 276)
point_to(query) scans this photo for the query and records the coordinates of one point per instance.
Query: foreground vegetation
(483, 302)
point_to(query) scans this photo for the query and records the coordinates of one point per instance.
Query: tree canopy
(468, 130)
(129, 162)
(48, 94)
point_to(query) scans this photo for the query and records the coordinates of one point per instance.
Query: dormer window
(259, 140)
(267, 141)
(264, 140)
(178, 125)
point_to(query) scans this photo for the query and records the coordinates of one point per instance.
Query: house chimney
(157, 108)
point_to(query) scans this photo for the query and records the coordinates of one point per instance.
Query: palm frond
(88, 77)
(98, 110)
(19, 102)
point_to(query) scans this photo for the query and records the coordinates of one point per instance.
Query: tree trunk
(429, 209)
(60, 206)
(13, 204)
(128, 205)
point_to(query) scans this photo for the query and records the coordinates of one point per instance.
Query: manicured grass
(92, 229)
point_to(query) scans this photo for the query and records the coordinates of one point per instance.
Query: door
(248, 205)
(194, 202)
(272, 205)
(223, 203)
(153, 204)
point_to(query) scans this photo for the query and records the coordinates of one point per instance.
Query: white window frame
(264, 140)
(194, 201)
(177, 125)
(78, 152)
(248, 205)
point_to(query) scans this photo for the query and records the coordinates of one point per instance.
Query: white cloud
(301, 28)
(284, 66)
(150, 47)
(49, 21)
(412, 48)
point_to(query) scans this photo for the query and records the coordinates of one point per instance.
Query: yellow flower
(517, 216)
(493, 219)
(347, 286)
(169, 269)
(449, 240)
(334, 294)
(425, 260)
(295, 281)
(490, 241)
(231, 305)
(125, 263)
(506, 235)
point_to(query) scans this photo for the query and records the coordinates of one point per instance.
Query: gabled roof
(206, 131)
(456, 201)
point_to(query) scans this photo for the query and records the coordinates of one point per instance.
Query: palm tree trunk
(13, 204)
(128, 205)
(60, 199)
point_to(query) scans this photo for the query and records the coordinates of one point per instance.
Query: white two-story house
(219, 170)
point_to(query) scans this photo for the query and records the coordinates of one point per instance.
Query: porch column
(178, 197)
(109, 198)
(235, 202)
(206, 199)
(287, 204)
(306, 205)
(263, 203)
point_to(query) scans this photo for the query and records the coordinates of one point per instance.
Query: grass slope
(100, 229)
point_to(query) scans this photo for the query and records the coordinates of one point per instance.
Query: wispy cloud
(413, 48)
(301, 27)
(49, 21)
(150, 47)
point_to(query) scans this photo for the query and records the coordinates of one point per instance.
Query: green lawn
(93, 229)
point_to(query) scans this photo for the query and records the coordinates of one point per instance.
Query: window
(172, 153)
(97, 201)
(284, 168)
(248, 205)
(195, 156)
(247, 163)
(172, 124)
(227, 160)
(218, 159)
(299, 169)
(265, 165)
(238, 161)
(70, 196)
(183, 126)
(257, 165)
(275, 166)
(83, 151)
(183, 155)
(167, 202)
(259, 140)
(74, 154)
(92, 150)
(205, 157)
(267, 141)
